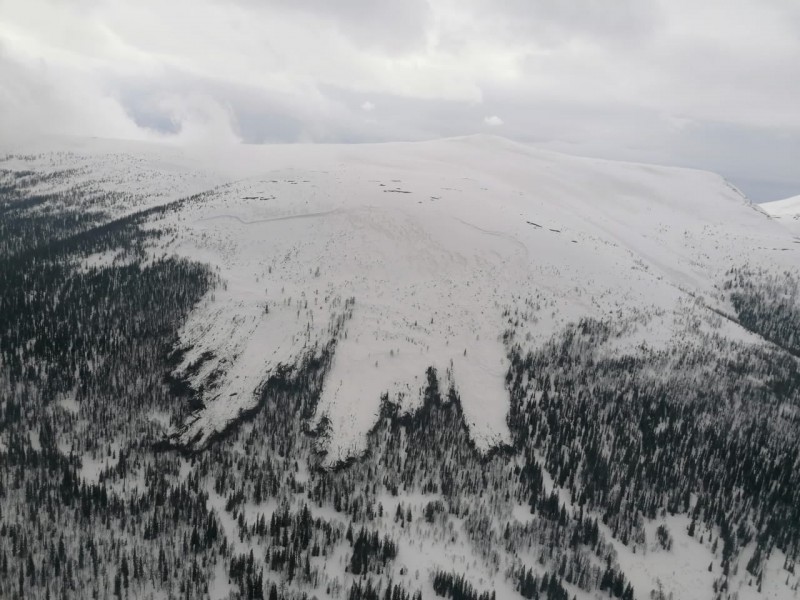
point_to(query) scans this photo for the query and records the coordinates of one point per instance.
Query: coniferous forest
(608, 453)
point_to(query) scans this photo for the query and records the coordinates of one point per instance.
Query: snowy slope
(115, 177)
(436, 243)
(787, 212)
(788, 207)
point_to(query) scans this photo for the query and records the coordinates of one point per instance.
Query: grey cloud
(557, 22)
(761, 162)
(390, 27)
(35, 99)
(643, 80)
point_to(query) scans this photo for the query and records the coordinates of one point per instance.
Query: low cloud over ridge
(712, 86)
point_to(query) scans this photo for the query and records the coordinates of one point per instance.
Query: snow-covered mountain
(457, 257)
(435, 242)
(786, 207)
(787, 211)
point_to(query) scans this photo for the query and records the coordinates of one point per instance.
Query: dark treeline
(82, 358)
(361, 590)
(768, 305)
(456, 587)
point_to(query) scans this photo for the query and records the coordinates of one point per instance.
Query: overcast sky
(713, 84)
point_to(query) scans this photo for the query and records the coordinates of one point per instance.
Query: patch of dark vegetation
(456, 587)
(371, 552)
(286, 380)
(629, 444)
(768, 305)
(364, 589)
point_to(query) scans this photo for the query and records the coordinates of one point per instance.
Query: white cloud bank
(712, 84)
